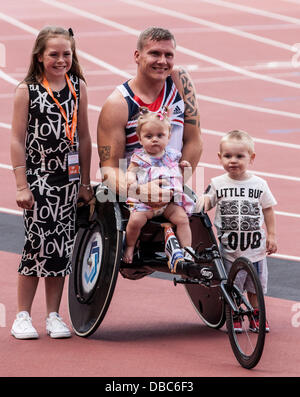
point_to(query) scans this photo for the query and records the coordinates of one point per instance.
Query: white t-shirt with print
(239, 218)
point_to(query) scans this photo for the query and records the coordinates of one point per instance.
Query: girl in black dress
(51, 155)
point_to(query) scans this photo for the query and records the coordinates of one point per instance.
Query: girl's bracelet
(22, 188)
(19, 166)
(87, 187)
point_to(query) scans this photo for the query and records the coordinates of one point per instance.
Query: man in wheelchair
(156, 85)
(155, 161)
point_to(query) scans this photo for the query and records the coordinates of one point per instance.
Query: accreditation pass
(73, 166)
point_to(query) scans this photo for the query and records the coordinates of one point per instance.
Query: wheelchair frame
(214, 294)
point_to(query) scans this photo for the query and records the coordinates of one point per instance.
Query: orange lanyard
(70, 132)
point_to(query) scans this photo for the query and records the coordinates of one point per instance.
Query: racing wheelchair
(215, 295)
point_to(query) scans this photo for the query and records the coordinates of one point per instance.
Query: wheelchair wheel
(248, 342)
(207, 301)
(96, 258)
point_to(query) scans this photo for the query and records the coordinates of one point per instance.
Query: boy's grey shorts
(243, 282)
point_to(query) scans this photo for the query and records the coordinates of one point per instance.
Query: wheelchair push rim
(96, 258)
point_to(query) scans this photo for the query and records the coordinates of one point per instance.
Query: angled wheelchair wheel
(96, 257)
(207, 301)
(247, 341)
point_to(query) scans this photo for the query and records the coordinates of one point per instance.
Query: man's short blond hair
(156, 34)
(241, 136)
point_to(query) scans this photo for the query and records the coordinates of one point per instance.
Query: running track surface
(244, 79)
(150, 330)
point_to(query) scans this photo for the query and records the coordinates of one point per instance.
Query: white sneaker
(55, 326)
(22, 327)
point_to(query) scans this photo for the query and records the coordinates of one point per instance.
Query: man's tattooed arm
(191, 113)
(192, 141)
(104, 153)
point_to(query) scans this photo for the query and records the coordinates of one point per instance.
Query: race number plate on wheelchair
(92, 262)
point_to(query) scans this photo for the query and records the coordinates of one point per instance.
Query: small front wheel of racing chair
(248, 342)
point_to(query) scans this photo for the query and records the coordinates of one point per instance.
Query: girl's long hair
(36, 68)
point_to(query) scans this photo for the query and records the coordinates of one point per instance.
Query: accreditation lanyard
(69, 131)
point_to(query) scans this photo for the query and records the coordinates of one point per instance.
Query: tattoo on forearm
(191, 114)
(104, 152)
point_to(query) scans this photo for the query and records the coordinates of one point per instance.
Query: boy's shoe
(254, 322)
(237, 325)
(267, 326)
(22, 327)
(55, 326)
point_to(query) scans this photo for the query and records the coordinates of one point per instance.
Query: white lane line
(267, 174)
(236, 69)
(283, 213)
(16, 212)
(186, 51)
(11, 211)
(248, 107)
(9, 167)
(103, 64)
(120, 72)
(6, 166)
(226, 102)
(5, 125)
(284, 256)
(254, 11)
(204, 131)
(206, 98)
(83, 54)
(99, 62)
(94, 107)
(290, 214)
(258, 140)
(292, 1)
(18, 23)
(7, 78)
(213, 166)
(213, 25)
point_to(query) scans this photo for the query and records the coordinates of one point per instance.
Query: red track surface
(151, 329)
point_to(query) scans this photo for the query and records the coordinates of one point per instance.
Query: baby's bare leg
(136, 221)
(178, 216)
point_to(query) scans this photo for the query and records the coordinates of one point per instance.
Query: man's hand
(85, 194)
(152, 193)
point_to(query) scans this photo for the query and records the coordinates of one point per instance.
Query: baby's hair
(145, 116)
(36, 68)
(239, 135)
